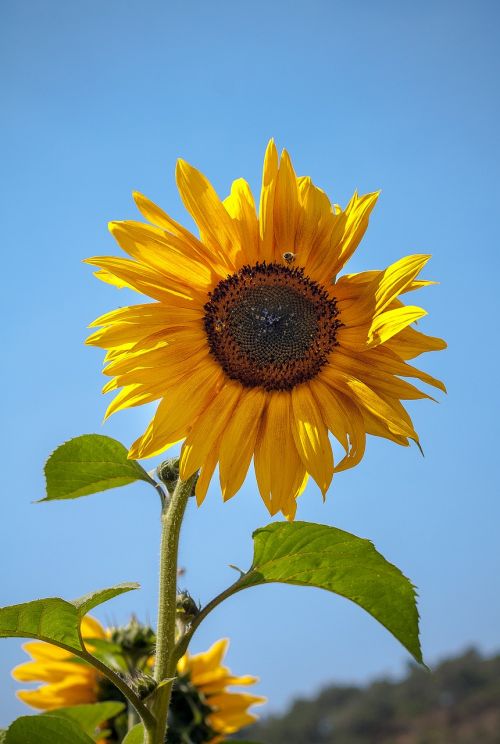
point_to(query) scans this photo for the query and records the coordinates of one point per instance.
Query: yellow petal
(241, 206)
(368, 399)
(344, 419)
(266, 208)
(207, 429)
(144, 279)
(381, 329)
(410, 343)
(276, 457)
(177, 411)
(163, 252)
(311, 437)
(286, 206)
(157, 216)
(238, 441)
(200, 199)
(383, 289)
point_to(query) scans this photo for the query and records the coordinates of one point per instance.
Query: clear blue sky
(100, 99)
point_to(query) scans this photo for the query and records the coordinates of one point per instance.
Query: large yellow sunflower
(201, 677)
(253, 345)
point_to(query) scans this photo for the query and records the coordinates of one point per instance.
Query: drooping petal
(276, 458)
(311, 437)
(238, 441)
(207, 428)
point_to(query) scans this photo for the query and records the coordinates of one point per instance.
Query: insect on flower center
(269, 325)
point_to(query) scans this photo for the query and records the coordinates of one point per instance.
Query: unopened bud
(168, 473)
(187, 609)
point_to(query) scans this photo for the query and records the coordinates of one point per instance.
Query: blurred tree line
(458, 703)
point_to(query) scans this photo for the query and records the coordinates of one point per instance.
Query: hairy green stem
(165, 663)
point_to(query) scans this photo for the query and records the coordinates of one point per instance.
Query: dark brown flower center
(269, 325)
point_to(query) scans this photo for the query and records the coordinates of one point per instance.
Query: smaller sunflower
(66, 681)
(202, 709)
(229, 710)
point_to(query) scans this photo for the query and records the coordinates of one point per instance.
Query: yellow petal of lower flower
(74, 690)
(41, 651)
(43, 671)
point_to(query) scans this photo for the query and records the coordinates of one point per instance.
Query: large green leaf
(54, 620)
(46, 729)
(89, 716)
(309, 554)
(88, 464)
(135, 735)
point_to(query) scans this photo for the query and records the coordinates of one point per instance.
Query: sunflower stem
(165, 663)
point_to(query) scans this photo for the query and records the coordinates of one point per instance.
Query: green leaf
(309, 554)
(88, 464)
(89, 716)
(3, 735)
(54, 620)
(135, 735)
(46, 729)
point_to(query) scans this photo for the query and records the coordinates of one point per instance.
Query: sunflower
(253, 345)
(66, 680)
(202, 709)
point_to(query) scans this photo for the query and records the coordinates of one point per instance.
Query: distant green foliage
(458, 703)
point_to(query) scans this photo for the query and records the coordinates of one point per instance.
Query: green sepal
(307, 554)
(89, 716)
(46, 729)
(88, 464)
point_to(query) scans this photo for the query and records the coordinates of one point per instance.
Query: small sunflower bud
(142, 684)
(168, 473)
(187, 609)
(137, 641)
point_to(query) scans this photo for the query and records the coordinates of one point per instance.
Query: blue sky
(100, 99)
